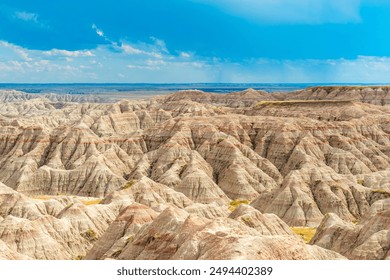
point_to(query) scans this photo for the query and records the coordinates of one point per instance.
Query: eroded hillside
(196, 175)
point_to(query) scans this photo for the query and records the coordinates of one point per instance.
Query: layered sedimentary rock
(294, 157)
(378, 95)
(368, 239)
(174, 234)
(58, 228)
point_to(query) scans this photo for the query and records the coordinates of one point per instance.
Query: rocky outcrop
(378, 95)
(175, 234)
(58, 228)
(14, 96)
(367, 240)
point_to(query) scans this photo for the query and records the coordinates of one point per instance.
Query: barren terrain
(196, 175)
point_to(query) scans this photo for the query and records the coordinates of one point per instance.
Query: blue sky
(154, 41)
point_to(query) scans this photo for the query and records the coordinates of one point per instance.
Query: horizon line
(197, 83)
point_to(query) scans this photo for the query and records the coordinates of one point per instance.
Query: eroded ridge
(196, 175)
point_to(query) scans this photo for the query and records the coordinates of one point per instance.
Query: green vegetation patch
(360, 181)
(307, 233)
(299, 102)
(90, 235)
(234, 203)
(91, 201)
(381, 191)
(129, 184)
(129, 239)
(42, 197)
(248, 221)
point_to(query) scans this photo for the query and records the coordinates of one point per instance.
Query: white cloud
(20, 52)
(185, 54)
(98, 31)
(25, 16)
(292, 11)
(155, 50)
(160, 44)
(131, 50)
(158, 62)
(136, 64)
(66, 53)
(31, 18)
(142, 67)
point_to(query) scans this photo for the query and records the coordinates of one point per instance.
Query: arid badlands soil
(195, 175)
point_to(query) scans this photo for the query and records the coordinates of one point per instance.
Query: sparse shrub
(129, 184)
(234, 203)
(265, 103)
(129, 239)
(307, 233)
(360, 181)
(78, 258)
(70, 205)
(90, 235)
(296, 102)
(91, 201)
(247, 220)
(42, 197)
(116, 254)
(380, 191)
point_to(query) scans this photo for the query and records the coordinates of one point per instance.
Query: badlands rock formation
(196, 175)
(368, 239)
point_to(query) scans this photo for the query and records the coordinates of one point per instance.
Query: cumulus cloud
(18, 64)
(13, 51)
(292, 11)
(136, 64)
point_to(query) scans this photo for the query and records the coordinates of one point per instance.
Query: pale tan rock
(122, 231)
(56, 228)
(298, 155)
(7, 254)
(265, 224)
(369, 239)
(175, 234)
(209, 211)
(150, 193)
